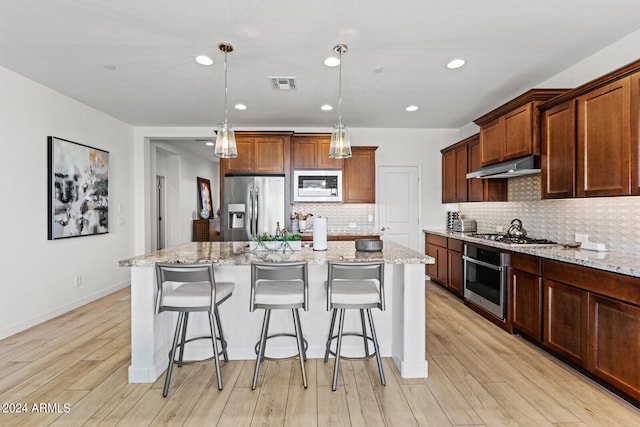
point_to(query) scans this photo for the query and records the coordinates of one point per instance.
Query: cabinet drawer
(434, 239)
(455, 245)
(528, 263)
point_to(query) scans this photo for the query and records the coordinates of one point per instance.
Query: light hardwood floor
(478, 375)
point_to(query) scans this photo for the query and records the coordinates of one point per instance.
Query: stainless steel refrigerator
(252, 205)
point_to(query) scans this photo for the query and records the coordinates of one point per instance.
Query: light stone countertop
(616, 262)
(238, 253)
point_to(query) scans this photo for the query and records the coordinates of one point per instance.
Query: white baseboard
(36, 320)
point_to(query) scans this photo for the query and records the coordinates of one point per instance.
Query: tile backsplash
(614, 221)
(342, 218)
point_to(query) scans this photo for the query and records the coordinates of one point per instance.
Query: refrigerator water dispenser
(236, 215)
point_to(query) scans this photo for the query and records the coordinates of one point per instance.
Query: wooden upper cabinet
(259, 152)
(457, 161)
(513, 129)
(606, 117)
(359, 176)
(454, 171)
(492, 137)
(311, 151)
(558, 159)
(604, 136)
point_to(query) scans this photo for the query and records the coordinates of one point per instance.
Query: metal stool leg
(333, 323)
(376, 347)
(297, 319)
(223, 342)
(263, 343)
(184, 338)
(364, 334)
(216, 356)
(301, 352)
(339, 345)
(172, 354)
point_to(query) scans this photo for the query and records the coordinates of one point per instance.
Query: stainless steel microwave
(317, 186)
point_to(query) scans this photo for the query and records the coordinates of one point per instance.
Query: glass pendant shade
(226, 142)
(340, 147)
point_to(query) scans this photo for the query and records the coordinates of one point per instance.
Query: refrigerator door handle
(257, 208)
(251, 211)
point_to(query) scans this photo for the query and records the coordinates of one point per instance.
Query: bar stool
(278, 286)
(354, 286)
(186, 288)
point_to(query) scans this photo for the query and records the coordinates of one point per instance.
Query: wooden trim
(529, 96)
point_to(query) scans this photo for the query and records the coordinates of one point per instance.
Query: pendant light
(340, 147)
(226, 138)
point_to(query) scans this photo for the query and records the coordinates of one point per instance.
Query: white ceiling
(510, 46)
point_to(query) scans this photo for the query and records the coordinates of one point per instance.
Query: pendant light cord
(340, 89)
(225, 87)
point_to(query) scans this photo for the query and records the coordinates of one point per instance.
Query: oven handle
(482, 263)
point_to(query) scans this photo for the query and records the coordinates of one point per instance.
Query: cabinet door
(449, 177)
(559, 151)
(635, 134)
(604, 138)
(304, 153)
(322, 155)
(269, 155)
(526, 294)
(614, 343)
(245, 162)
(438, 271)
(518, 128)
(455, 273)
(461, 173)
(566, 321)
(359, 176)
(492, 137)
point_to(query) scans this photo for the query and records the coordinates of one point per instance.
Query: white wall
(38, 274)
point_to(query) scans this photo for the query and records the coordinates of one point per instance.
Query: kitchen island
(400, 328)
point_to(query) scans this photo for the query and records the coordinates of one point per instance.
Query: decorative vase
(204, 213)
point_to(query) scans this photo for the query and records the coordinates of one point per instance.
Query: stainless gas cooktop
(509, 240)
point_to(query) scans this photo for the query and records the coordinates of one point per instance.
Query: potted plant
(267, 242)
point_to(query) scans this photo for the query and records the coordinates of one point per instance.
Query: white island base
(400, 328)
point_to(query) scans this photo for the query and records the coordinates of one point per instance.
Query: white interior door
(399, 204)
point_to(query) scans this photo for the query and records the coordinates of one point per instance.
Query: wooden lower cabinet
(438, 271)
(448, 269)
(565, 321)
(614, 343)
(526, 306)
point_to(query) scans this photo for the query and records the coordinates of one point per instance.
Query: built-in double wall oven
(485, 278)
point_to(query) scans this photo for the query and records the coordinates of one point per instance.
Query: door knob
(384, 229)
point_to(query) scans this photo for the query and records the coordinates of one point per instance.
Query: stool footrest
(206, 337)
(350, 334)
(305, 346)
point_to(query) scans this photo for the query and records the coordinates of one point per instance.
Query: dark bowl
(368, 245)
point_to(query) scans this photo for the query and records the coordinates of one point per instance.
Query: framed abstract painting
(205, 205)
(78, 189)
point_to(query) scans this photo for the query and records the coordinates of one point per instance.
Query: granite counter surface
(238, 253)
(616, 262)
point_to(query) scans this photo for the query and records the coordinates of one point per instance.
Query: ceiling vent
(283, 83)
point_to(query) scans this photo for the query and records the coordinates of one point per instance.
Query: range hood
(524, 166)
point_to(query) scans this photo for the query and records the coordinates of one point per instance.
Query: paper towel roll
(320, 234)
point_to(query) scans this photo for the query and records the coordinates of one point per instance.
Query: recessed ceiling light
(456, 63)
(110, 67)
(332, 61)
(210, 143)
(412, 108)
(240, 107)
(204, 60)
(378, 69)
(326, 107)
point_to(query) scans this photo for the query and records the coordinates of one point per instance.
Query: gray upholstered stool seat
(277, 286)
(354, 286)
(191, 288)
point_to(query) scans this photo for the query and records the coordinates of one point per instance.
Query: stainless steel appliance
(465, 225)
(252, 205)
(317, 186)
(485, 278)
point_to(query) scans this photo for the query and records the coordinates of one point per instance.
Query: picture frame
(78, 189)
(205, 203)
